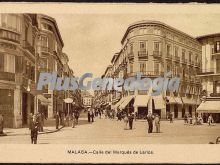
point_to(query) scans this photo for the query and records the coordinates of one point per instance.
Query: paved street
(106, 131)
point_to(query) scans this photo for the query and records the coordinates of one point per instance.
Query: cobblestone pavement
(106, 131)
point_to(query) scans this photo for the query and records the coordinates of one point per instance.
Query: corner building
(154, 48)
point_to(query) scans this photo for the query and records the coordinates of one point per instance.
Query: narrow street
(107, 131)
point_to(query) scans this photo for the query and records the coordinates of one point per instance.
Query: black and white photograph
(125, 77)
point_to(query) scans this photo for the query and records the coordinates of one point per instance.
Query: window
(9, 63)
(156, 67)
(190, 56)
(44, 41)
(131, 48)
(10, 21)
(183, 54)
(1, 62)
(217, 46)
(168, 49)
(156, 46)
(218, 65)
(143, 67)
(131, 68)
(143, 46)
(176, 51)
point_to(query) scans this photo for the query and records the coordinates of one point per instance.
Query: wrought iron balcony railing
(157, 54)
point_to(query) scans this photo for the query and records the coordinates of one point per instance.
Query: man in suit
(34, 130)
(150, 120)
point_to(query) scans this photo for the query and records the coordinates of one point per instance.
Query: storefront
(210, 106)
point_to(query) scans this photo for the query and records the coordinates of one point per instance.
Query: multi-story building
(18, 36)
(154, 48)
(87, 99)
(29, 44)
(210, 75)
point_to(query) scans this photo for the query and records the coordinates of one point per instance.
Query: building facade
(210, 75)
(29, 44)
(154, 48)
(87, 99)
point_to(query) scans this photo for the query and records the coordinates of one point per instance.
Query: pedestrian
(67, 120)
(171, 117)
(43, 118)
(89, 115)
(130, 120)
(34, 129)
(100, 113)
(57, 118)
(73, 120)
(39, 120)
(77, 116)
(157, 123)
(210, 119)
(126, 121)
(150, 119)
(1, 124)
(185, 119)
(92, 115)
(30, 119)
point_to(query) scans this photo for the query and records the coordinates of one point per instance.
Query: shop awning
(141, 100)
(126, 102)
(209, 106)
(188, 100)
(159, 102)
(43, 100)
(171, 100)
(118, 103)
(178, 100)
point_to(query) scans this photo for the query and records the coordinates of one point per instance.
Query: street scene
(109, 131)
(66, 79)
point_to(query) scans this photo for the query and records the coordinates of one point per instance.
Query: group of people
(130, 117)
(72, 119)
(197, 119)
(91, 115)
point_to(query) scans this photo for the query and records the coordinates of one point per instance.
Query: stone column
(17, 107)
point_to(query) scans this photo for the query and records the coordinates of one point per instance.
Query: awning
(43, 100)
(141, 100)
(171, 100)
(188, 101)
(118, 103)
(209, 106)
(126, 102)
(159, 102)
(178, 100)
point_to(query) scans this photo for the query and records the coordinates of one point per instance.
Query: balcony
(207, 71)
(157, 54)
(9, 35)
(29, 47)
(176, 58)
(44, 49)
(152, 73)
(184, 61)
(6, 76)
(143, 54)
(189, 62)
(196, 64)
(215, 53)
(130, 55)
(197, 80)
(169, 56)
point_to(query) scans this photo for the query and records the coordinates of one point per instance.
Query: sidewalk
(26, 131)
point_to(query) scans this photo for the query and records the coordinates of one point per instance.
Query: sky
(91, 40)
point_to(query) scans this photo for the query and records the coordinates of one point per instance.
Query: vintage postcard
(109, 83)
